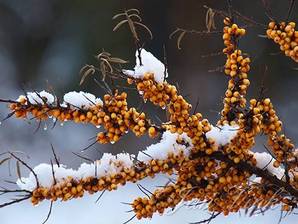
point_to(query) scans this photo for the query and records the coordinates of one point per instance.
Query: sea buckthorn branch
(43, 105)
(158, 201)
(229, 184)
(257, 171)
(266, 120)
(213, 164)
(166, 96)
(113, 113)
(281, 146)
(107, 173)
(261, 115)
(152, 86)
(72, 188)
(282, 33)
(236, 67)
(286, 36)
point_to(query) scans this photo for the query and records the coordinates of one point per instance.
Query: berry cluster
(113, 114)
(22, 107)
(210, 169)
(117, 118)
(161, 199)
(236, 67)
(71, 187)
(180, 121)
(286, 36)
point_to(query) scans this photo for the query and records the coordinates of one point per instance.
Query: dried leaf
(174, 32)
(118, 15)
(18, 170)
(103, 54)
(210, 24)
(103, 69)
(181, 35)
(136, 16)
(133, 10)
(118, 60)
(4, 160)
(106, 64)
(86, 71)
(119, 24)
(146, 28)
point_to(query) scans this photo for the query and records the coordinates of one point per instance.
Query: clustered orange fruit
(211, 173)
(23, 107)
(236, 67)
(114, 115)
(286, 36)
(73, 188)
(166, 95)
(225, 188)
(117, 118)
(159, 201)
(281, 146)
(245, 197)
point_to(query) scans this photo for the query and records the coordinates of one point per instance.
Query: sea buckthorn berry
(283, 34)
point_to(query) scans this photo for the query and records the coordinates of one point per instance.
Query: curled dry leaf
(4, 160)
(86, 71)
(210, 24)
(133, 19)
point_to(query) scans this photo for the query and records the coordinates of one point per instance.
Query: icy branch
(109, 164)
(150, 64)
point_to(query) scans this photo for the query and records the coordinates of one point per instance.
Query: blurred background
(44, 44)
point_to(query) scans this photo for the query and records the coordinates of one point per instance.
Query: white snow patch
(21, 98)
(257, 180)
(108, 165)
(75, 99)
(168, 144)
(40, 98)
(265, 161)
(150, 64)
(81, 100)
(222, 135)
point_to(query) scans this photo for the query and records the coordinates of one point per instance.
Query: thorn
(49, 213)
(55, 156)
(26, 165)
(84, 149)
(82, 157)
(130, 219)
(100, 196)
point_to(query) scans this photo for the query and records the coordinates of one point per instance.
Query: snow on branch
(265, 161)
(42, 97)
(169, 144)
(81, 99)
(149, 64)
(213, 163)
(222, 135)
(108, 165)
(74, 99)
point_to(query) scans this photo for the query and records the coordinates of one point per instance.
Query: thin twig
(100, 196)
(15, 201)
(49, 213)
(55, 156)
(26, 165)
